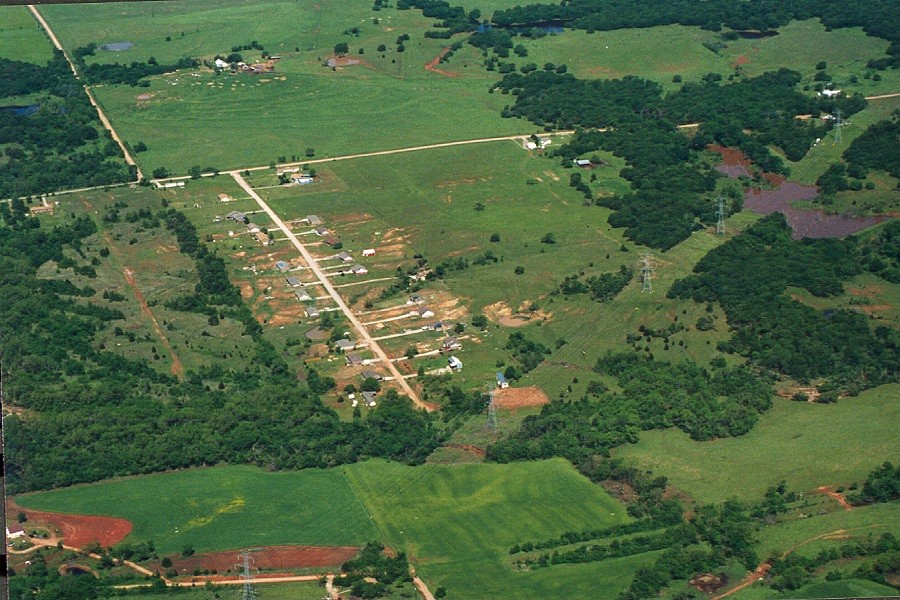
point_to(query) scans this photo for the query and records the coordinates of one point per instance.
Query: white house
(369, 252)
(14, 531)
(502, 383)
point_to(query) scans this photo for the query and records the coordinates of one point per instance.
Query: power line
(720, 224)
(646, 272)
(838, 125)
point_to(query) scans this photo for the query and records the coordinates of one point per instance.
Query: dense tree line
(116, 73)
(877, 148)
(372, 573)
(880, 253)
(60, 145)
(748, 276)
(878, 18)
(882, 485)
(601, 288)
(655, 395)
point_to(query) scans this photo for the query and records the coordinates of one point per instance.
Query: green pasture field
(243, 120)
(456, 522)
(845, 588)
(807, 445)
(826, 152)
(865, 293)
(267, 591)
(21, 38)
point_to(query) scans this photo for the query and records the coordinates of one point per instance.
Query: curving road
(326, 283)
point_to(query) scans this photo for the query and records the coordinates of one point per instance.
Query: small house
(262, 238)
(369, 398)
(303, 295)
(314, 219)
(371, 375)
(454, 363)
(294, 281)
(451, 343)
(830, 93)
(345, 344)
(301, 179)
(425, 312)
(223, 197)
(344, 256)
(169, 185)
(332, 241)
(236, 216)
(353, 359)
(358, 270)
(15, 530)
(252, 227)
(438, 325)
(312, 312)
(316, 335)
(502, 383)
(583, 162)
(282, 266)
(221, 64)
(321, 231)
(369, 252)
(41, 208)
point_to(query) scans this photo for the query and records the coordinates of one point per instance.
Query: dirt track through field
(177, 368)
(432, 65)
(831, 493)
(747, 581)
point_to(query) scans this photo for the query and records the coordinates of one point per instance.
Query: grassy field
(243, 120)
(846, 588)
(280, 591)
(807, 445)
(21, 38)
(456, 522)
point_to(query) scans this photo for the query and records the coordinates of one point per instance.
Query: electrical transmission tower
(248, 571)
(492, 424)
(720, 224)
(838, 125)
(646, 272)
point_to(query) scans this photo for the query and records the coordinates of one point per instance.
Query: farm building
(312, 312)
(359, 270)
(314, 219)
(369, 398)
(316, 335)
(502, 383)
(454, 363)
(293, 281)
(282, 266)
(369, 252)
(424, 312)
(451, 343)
(41, 209)
(583, 162)
(321, 231)
(345, 344)
(262, 238)
(303, 295)
(14, 530)
(353, 359)
(371, 375)
(301, 179)
(344, 256)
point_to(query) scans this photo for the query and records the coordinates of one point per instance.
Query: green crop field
(243, 120)
(794, 441)
(21, 38)
(456, 522)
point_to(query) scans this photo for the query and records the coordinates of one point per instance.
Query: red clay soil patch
(730, 156)
(830, 492)
(269, 557)
(79, 530)
(513, 398)
(707, 582)
(743, 59)
(432, 65)
(467, 448)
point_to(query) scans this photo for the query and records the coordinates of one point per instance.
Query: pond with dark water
(117, 46)
(21, 111)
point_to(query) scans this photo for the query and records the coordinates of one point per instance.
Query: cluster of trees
(748, 276)
(601, 287)
(528, 353)
(882, 485)
(381, 569)
(60, 145)
(878, 18)
(880, 254)
(454, 19)
(655, 395)
(877, 148)
(115, 73)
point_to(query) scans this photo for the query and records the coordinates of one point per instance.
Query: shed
(501, 381)
(282, 266)
(454, 363)
(303, 295)
(583, 162)
(293, 281)
(353, 358)
(359, 270)
(314, 219)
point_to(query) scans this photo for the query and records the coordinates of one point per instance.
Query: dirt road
(177, 369)
(90, 95)
(747, 581)
(326, 283)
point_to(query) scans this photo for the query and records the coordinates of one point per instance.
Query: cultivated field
(808, 445)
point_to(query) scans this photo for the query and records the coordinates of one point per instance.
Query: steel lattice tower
(248, 591)
(492, 424)
(720, 224)
(646, 272)
(838, 125)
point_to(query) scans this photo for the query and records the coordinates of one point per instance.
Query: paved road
(329, 287)
(90, 95)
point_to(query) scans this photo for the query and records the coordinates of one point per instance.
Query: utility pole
(720, 224)
(646, 272)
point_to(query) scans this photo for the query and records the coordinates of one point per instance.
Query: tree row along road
(115, 136)
(326, 283)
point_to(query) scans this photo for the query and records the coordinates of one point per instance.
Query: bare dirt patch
(707, 582)
(513, 398)
(743, 59)
(812, 393)
(501, 313)
(269, 557)
(832, 493)
(620, 490)
(731, 156)
(432, 65)
(78, 530)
